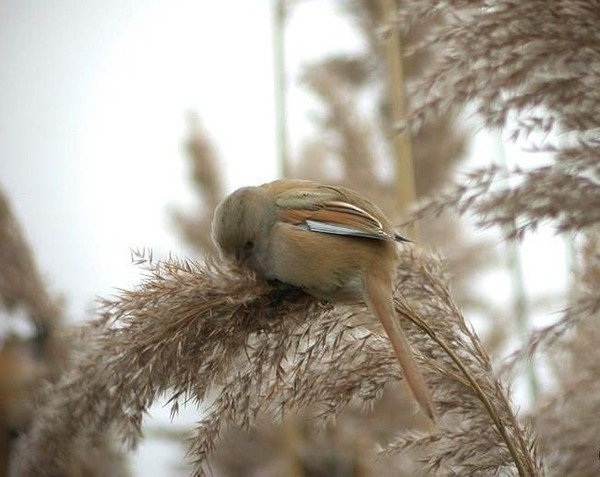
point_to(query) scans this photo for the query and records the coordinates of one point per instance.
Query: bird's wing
(335, 217)
(329, 209)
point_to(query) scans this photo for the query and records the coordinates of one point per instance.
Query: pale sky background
(94, 99)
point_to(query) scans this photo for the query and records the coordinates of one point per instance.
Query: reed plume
(520, 66)
(529, 69)
(202, 332)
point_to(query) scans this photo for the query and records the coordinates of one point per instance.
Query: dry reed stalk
(401, 142)
(280, 91)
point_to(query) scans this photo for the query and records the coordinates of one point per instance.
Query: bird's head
(242, 223)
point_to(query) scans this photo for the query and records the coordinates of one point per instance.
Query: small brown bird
(330, 241)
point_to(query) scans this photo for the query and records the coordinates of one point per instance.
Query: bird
(330, 241)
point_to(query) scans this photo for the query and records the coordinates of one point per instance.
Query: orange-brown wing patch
(336, 217)
(294, 216)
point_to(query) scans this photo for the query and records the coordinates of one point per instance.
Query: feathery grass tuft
(204, 332)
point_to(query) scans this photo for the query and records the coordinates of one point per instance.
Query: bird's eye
(249, 245)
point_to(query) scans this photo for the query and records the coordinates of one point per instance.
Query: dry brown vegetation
(288, 385)
(203, 332)
(29, 366)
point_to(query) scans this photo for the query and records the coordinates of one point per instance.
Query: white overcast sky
(94, 96)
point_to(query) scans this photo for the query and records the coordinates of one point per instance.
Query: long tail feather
(381, 305)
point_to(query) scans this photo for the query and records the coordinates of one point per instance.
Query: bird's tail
(378, 299)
